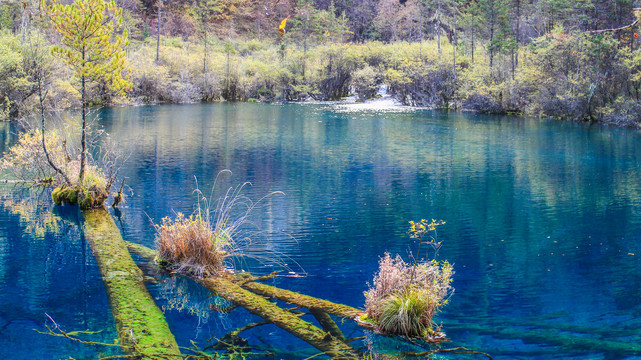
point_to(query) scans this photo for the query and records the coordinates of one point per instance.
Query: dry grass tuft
(190, 244)
(204, 242)
(405, 297)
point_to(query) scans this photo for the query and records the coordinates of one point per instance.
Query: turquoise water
(543, 225)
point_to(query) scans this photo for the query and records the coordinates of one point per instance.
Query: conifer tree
(92, 47)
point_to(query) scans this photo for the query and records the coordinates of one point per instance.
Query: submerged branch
(287, 321)
(456, 350)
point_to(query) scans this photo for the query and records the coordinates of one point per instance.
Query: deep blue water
(543, 225)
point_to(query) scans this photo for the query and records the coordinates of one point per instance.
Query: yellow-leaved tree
(92, 44)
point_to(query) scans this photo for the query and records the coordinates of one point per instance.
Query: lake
(543, 225)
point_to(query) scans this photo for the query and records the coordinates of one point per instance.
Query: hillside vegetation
(544, 58)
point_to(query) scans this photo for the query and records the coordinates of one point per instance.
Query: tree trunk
(140, 323)
(491, 33)
(455, 37)
(269, 311)
(518, 33)
(42, 119)
(83, 138)
(158, 33)
(438, 28)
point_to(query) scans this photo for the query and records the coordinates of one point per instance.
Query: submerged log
(257, 305)
(553, 337)
(310, 302)
(328, 324)
(140, 323)
(229, 287)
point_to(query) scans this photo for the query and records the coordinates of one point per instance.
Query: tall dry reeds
(217, 231)
(190, 244)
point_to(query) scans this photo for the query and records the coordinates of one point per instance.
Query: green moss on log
(229, 287)
(257, 305)
(140, 323)
(76, 195)
(309, 302)
(65, 195)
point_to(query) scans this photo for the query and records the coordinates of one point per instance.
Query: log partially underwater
(247, 281)
(258, 305)
(140, 323)
(310, 302)
(236, 289)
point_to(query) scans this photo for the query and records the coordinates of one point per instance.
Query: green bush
(366, 82)
(15, 84)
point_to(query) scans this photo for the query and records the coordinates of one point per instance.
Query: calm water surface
(543, 225)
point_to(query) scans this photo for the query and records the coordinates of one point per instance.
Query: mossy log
(328, 324)
(312, 303)
(247, 282)
(224, 287)
(76, 195)
(553, 337)
(140, 323)
(232, 288)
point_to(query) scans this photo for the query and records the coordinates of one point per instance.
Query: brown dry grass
(190, 244)
(405, 297)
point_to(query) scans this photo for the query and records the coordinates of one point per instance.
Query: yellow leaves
(281, 27)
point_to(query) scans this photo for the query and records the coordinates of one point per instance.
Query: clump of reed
(190, 244)
(404, 297)
(202, 243)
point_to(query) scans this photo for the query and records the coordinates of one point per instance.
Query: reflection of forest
(46, 268)
(537, 212)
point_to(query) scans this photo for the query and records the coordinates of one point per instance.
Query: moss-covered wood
(140, 323)
(232, 288)
(224, 286)
(76, 195)
(309, 302)
(328, 324)
(247, 281)
(552, 337)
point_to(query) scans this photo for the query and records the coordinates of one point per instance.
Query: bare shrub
(26, 160)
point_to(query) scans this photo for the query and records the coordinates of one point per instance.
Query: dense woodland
(545, 58)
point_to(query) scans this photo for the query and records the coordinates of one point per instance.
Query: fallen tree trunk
(247, 282)
(257, 305)
(552, 337)
(228, 286)
(141, 325)
(312, 303)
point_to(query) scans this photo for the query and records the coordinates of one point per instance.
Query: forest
(560, 59)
